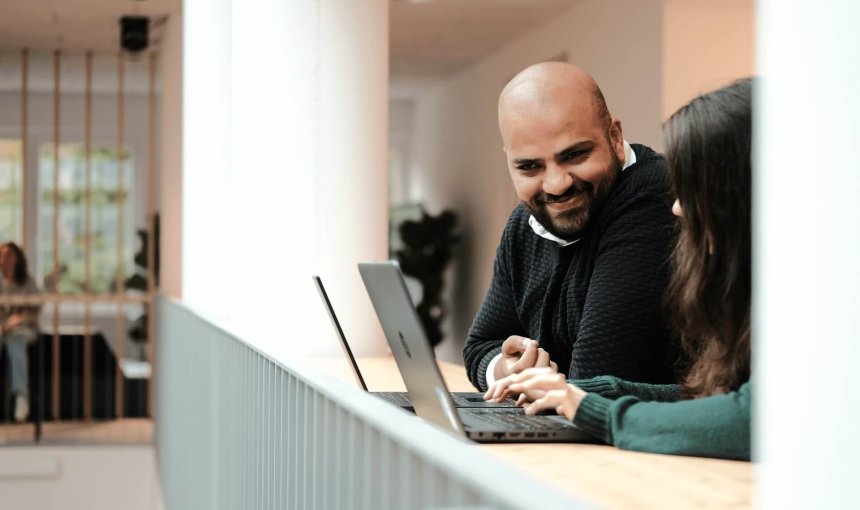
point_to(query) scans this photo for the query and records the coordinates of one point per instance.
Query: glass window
(11, 189)
(69, 276)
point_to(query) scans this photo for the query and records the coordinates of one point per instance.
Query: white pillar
(807, 254)
(274, 168)
(206, 148)
(352, 191)
(297, 155)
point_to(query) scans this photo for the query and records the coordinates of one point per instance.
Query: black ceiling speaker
(134, 33)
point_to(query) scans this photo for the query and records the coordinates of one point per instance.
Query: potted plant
(427, 246)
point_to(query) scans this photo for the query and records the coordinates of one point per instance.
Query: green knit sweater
(653, 418)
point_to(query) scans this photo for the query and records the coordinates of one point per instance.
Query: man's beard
(569, 224)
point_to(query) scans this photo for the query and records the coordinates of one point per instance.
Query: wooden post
(25, 187)
(88, 236)
(151, 255)
(55, 344)
(120, 268)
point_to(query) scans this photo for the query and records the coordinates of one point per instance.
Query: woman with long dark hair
(708, 150)
(19, 323)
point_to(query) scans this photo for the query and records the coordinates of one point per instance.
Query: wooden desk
(603, 475)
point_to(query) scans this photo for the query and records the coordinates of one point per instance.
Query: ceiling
(428, 39)
(74, 25)
(433, 38)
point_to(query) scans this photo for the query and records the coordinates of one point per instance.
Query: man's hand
(520, 353)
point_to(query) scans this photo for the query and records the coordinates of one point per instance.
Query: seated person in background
(19, 323)
(583, 261)
(708, 413)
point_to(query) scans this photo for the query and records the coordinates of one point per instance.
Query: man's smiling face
(564, 151)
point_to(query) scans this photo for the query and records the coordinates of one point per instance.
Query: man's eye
(572, 155)
(527, 167)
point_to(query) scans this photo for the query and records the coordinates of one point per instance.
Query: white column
(275, 167)
(206, 155)
(807, 254)
(352, 204)
(292, 100)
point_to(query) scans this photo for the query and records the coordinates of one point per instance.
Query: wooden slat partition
(51, 234)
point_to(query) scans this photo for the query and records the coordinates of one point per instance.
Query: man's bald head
(564, 151)
(552, 86)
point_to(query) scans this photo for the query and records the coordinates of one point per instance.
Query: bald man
(582, 265)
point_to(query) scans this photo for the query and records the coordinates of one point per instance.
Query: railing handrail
(457, 458)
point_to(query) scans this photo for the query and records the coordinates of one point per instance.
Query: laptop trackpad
(477, 400)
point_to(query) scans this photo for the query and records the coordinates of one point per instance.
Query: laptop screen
(412, 352)
(343, 343)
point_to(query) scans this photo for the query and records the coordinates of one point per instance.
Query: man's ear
(616, 138)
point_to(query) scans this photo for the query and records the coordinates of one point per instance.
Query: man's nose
(556, 180)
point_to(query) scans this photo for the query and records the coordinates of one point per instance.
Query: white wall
(807, 248)
(170, 162)
(401, 122)
(457, 159)
(284, 167)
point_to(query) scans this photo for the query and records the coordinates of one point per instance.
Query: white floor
(79, 477)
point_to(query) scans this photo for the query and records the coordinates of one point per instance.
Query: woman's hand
(539, 389)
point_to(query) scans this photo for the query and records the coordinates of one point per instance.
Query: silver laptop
(399, 398)
(429, 394)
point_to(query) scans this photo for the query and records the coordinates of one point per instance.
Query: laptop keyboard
(514, 419)
(402, 399)
(462, 401)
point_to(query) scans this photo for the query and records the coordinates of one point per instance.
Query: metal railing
(236, 429)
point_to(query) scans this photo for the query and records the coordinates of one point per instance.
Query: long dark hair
(708, 149)
(20, 274)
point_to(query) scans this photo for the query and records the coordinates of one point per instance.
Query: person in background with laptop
(583, 261)
(708, 413)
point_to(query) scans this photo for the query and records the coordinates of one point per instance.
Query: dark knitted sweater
(594, 305)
